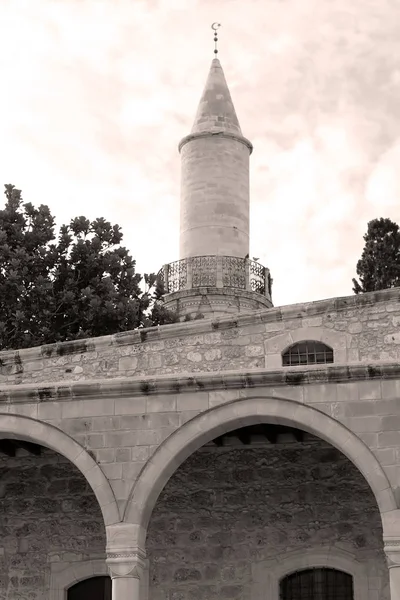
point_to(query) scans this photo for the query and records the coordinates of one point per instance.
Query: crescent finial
(215, 26)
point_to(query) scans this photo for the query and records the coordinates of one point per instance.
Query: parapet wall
(359, 329)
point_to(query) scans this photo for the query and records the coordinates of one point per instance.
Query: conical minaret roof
(216, 112)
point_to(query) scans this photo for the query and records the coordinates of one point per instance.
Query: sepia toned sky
(96, 94)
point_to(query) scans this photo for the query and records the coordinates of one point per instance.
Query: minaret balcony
(228, 276)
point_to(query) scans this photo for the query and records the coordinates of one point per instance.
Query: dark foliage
(379, 265)
(79, 283)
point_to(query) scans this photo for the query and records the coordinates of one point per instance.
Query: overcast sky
(96, 94)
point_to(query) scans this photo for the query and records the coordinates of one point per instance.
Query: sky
(96, 95)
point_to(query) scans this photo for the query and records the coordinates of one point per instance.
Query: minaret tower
(214, 275)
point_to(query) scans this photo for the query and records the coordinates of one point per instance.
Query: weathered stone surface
(226, 509)
(46, 506)
(363, 328)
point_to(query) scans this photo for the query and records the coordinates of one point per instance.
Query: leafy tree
(379, 265)
(80, 283)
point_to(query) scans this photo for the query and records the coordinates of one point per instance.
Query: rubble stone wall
(222, 512)
(48, 513)
(359, 328)
(226, 510)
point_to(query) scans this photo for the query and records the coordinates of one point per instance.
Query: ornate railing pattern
(204, 271)
(233, 272)
(216, 272)
(257, 277)
(177, 275)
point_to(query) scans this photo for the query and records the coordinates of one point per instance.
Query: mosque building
(247, 452)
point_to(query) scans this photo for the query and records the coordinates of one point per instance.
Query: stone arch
(239, 413)
(65, 576)
(339, 341)
(268, 574)
(31, 430)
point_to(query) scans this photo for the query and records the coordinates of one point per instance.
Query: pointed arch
(240, 413)
(38, 432)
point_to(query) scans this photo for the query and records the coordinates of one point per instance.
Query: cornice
(173, 384)
(213, 134)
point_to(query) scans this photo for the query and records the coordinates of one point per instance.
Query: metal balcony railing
(217, 272)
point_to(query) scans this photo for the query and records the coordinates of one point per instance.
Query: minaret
(214, 275)
(215, 176)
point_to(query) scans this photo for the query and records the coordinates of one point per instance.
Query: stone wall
(47, 513)
(360, 328)
(225, 510)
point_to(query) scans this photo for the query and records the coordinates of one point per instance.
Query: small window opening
(308, 352)
(317, 584)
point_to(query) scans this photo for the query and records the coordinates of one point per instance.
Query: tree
(379, 265)
(80, 283)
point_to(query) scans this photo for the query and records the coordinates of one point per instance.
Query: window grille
(308, 352)
(94, 588)
(317, 584)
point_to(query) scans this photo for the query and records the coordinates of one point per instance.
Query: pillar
(127, 571)
(392, 551)
(126, 561)
(391, 539)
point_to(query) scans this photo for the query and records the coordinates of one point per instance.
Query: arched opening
(252, 480)
(94, 588)
(307, 352)
(51, 518)
(318, 583)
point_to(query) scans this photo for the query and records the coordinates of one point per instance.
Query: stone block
(49, 410)
(130, 406)
(148, 437)
(95, 440)
(370, 390)
(139, 454)
(87, 408)
(192, 401)
(364, 424)
(369, 439)
(359, 409)
(320, 393)
(389, 439)
(105, 455)
(123, 454)
(386, 456)
(195, 357)
(105, 423)
(391, 389)
(128, 363)
(222, 396)
(112, 470)
(187, 415)
(391, 423)
(121, 489)
(254, 350)
(213, 354)
(161, 404)
(120, 439)
(347, 391)
(388, 407)
(155, 361)
(131, 470)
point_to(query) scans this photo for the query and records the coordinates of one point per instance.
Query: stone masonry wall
(46, 509)
(368, 325)
(225, 509)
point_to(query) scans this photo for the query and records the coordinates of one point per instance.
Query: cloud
(98, 93)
